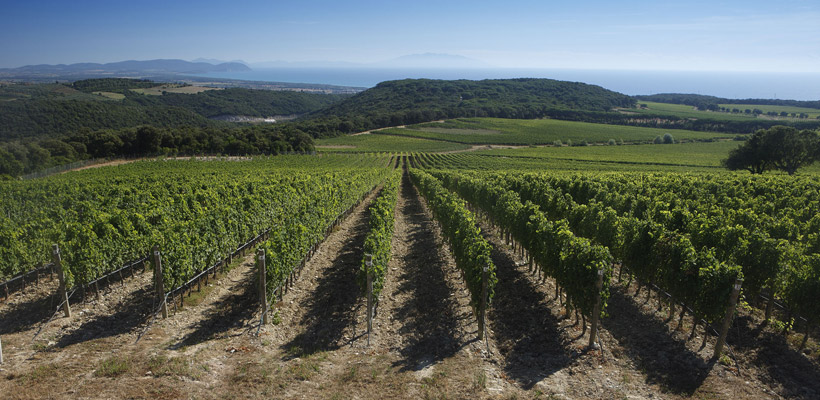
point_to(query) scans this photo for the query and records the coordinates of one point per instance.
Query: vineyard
(480, 275)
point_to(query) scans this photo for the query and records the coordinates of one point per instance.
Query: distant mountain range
(170, 68)
(216, 61)
(129, 68)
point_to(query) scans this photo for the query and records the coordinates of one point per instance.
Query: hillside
(45, 125)
(254, 103)
(39, 110)
(412, 101)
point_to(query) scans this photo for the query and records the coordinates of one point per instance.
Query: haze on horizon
(694, 35)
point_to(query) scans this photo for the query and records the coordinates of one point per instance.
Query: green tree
(9, 164)
(148, 140)
(668, 138)
(751, 156)
(792, 149)
(38, 157)
(779, 147)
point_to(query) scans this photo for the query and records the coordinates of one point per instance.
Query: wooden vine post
(769, 305)
(596, 312)
(369, 265)
(483, 305)
(61, 289)
(727, 319)
(1, 352)
(158, 282)
(263, 295)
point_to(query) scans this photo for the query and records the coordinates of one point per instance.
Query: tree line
(21, 157)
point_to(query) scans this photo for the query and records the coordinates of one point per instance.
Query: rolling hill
(49, 110)
(411, 101)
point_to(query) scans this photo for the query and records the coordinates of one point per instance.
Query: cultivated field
(669, 230)
(811, 112)
(171, 88)
(377, 143)
(536, 132)
(708, 154)
(685, 111)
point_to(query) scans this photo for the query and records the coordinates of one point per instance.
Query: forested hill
(711, 102)
(51, 110)
(255, 103)
(419, 100)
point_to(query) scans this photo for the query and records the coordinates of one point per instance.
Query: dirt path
(425, 320)
(103, 164)
(52, 359)
(229, 309)
(119, 309)
(318, 312)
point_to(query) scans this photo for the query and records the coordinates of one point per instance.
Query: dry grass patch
(113, 367)
(42, 372)
(110, 95)
(178, 367)
(173, 88)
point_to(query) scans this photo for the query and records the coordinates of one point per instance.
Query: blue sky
(694, 35)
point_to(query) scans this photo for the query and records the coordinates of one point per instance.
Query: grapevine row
(470, 250)
(744, 220)
(573, 262)
(378, 241)
(656, 256)
(197, 212)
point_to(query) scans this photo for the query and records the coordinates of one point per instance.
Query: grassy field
(678, 158)
(684, 111)
(490, 161)
(541, 131)
(384, 143)
(812, 112)
(171, 88)
(682, 154)
(469, 133)
(110, 95)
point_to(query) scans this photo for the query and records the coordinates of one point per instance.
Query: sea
(732, 85)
